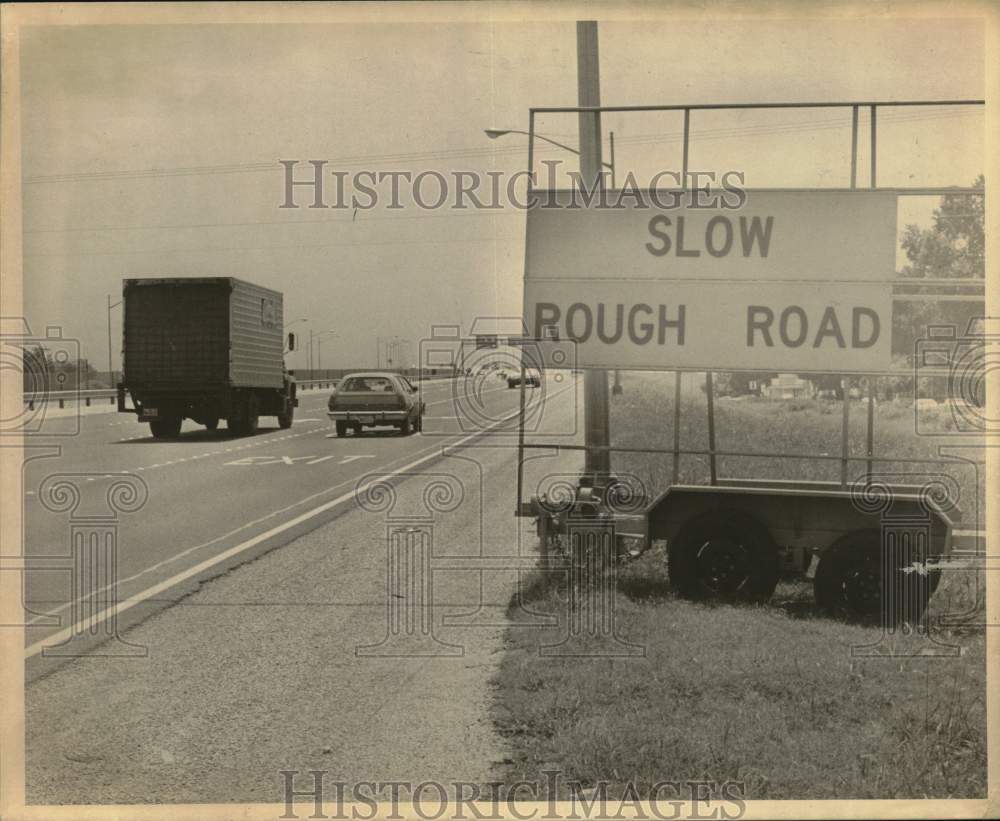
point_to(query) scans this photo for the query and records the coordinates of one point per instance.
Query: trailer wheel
(849, 580)
(341, 429)
(166, 428)
(213, 423)
(726, 555)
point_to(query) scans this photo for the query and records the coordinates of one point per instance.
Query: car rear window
(372, 384)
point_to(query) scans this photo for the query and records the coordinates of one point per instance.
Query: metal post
(684, 157)
(111, 374)
(677, 426)
(521, 400)
(873, 144)
(845, 432)
(597, 434)
(872, 382)
(854, 146)
(611, 158)
(710, 394)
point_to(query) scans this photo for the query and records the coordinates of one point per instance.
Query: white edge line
(149, 592)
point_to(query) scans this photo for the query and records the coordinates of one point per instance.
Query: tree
(952, 247)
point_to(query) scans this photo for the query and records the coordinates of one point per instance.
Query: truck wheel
(849, 580)
(285, 419)
(212, 424)
(252, 416)
(726, 555)
(341, 429)
(166, 428)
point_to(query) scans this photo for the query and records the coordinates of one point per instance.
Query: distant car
(376, 398)
(532, 379)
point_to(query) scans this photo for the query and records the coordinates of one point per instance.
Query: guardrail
(89, 397)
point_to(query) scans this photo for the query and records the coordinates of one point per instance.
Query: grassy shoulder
(768, 696)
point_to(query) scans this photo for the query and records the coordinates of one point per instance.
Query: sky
(211, 109)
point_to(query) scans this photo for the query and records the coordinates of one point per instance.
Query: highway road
(232, 669)
(212, 501)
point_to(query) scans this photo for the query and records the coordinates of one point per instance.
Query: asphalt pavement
(292, 601)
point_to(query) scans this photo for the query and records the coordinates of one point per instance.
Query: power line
(297, 246)
(259, 167)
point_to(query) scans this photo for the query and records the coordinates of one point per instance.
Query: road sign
(793, 280)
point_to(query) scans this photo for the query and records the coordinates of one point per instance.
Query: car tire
(341, 429)
(407, 427)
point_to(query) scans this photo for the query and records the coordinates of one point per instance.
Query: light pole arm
(551, 141)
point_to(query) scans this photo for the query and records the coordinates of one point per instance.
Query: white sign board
(793, 281)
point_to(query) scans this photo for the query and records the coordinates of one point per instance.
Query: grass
(770, 696)
(767, 696)
(642, 417)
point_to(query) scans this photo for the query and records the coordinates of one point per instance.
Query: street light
(315, 338)
(111, 373)
(495, 133)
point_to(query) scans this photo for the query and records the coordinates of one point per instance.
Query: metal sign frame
(871, 378)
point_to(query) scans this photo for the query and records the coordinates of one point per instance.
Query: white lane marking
(138, 598)
(235, 550)
(347, 459)
(323, 459)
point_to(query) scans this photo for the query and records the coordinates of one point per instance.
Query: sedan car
(532, 378)
(376, 398)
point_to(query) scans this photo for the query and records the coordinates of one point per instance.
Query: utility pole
(595, 382)
(111, 373)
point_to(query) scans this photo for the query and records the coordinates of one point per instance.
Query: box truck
(205, 348)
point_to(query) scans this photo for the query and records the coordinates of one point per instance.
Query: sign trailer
(791, 280)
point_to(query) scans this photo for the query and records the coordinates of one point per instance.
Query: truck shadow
(200, 436)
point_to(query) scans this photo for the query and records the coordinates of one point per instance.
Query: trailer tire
(166, 428)
(725, 555)
(849, 581)
(341, 429)
(212, 424)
